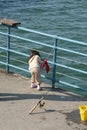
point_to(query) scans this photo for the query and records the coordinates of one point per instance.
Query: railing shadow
(55, 95)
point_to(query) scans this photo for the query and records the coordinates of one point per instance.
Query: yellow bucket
(83, 113)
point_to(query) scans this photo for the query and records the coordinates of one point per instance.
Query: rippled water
(66, 18)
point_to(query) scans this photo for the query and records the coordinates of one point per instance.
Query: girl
(34, 68)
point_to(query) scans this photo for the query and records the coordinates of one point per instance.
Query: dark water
(66, 18)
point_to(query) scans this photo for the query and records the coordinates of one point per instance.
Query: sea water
(65, 18)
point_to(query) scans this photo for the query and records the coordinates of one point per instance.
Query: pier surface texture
(60, 112)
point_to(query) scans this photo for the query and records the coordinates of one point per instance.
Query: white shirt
(34, 62)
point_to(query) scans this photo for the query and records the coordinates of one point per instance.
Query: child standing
(34, 68)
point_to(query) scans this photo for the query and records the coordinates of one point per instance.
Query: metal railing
(66, 57)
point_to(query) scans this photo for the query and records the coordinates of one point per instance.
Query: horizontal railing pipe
(60, 73)
(16, 52)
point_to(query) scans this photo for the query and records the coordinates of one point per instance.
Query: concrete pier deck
(60, 112)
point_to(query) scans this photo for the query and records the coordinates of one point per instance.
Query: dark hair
(33, 52)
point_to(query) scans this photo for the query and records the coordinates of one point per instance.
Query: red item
(45, 64)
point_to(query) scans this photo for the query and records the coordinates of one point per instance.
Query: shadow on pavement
(56, 95)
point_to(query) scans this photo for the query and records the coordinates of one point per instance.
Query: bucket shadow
(74, 116)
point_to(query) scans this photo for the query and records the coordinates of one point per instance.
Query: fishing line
(41, 103)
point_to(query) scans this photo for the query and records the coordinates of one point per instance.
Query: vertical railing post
(8, 47)
(54, 61)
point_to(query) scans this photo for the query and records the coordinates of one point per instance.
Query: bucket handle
(84, 110)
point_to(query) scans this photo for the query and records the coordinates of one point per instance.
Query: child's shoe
(39, 88)
(33, 85)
